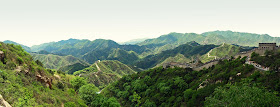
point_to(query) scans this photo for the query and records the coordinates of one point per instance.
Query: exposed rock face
(46, 80)
(2, 56)
(4, 103)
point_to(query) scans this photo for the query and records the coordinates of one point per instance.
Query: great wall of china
(208, 64)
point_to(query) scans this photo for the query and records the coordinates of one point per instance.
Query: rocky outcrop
(2, 56)
(4, 103)
(44, 80)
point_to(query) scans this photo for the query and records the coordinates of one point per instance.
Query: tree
(39, 63)
(88, 92)
(149, 103)
(136, 98)
(101, 101)
(77, 82)
(241, 96)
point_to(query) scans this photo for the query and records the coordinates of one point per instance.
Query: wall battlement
(263, 47)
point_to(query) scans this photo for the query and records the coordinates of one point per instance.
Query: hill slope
(24, 82)
(215, 37)
(26, 48)
(218, 85)
(220, 52)
(104, 72)
(91, 51)
(188, 50)
(55, 61)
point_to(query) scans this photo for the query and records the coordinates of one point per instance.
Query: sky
(32, 22)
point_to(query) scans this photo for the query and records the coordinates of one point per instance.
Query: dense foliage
(239, 96)
(184, 87)
(271, 59)
(20, 87)
(26, 48)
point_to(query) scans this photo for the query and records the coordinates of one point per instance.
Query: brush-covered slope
(24, 82)
(224, 50)
(123, 56)
(91, 51)
(179, 58)
(26, 48)
(217, 86)
(55, 61)
(70, 69)
(188, 50)
(104, 72)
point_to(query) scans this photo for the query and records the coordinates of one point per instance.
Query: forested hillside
(26, 48)
(221, 85)
(25, 82)
(55, 61)
(105, 72)
(91, 51)
(190, 49)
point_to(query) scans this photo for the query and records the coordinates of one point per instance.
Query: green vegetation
(215, 37)
(184, 87)
(26, 48)
(78, 82)
(189, 50)
(225, 50)
(238, 96)
(91, 51)
(123, 56)
(110, 71)
(271, 59)
(70, 69)
(20, 86)
(179, 58)
(56, 62)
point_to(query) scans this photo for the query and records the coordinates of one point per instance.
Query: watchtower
(266, 47)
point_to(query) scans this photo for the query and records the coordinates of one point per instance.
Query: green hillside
(70, 69)
(110, 71)
(189, 49)
(220, 52)
(217, 86)
(55, 61)
(179, 58)
(123, 56)
(91, 51)
(26, 48)
(24, 82)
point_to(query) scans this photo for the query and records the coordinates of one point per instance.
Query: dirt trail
(97, 67)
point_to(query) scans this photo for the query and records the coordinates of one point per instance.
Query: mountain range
(83, 73)
(145, 54)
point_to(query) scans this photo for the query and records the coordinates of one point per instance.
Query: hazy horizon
(33, 22)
